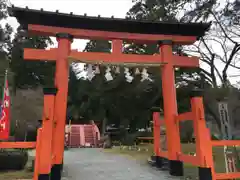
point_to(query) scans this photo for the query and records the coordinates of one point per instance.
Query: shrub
(129, 139)
(13, 159)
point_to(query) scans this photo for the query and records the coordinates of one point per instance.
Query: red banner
(5, 120)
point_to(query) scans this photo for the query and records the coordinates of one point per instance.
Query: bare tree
(219, 50)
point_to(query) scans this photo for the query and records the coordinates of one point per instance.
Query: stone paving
(94, 164)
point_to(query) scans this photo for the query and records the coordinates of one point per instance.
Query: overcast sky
(105, 8)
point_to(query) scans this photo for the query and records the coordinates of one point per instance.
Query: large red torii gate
(68, 26)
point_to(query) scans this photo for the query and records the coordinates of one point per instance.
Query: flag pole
(4, 84)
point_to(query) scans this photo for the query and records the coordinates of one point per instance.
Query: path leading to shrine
(93, 164)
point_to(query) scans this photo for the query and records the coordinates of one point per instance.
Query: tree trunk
(104, 124)
(132, 126)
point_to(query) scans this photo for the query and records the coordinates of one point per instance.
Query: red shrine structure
(65, 27)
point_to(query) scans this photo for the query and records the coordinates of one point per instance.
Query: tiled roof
(27, 16)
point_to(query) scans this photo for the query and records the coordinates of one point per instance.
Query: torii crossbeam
(68, 26)
(116, 57)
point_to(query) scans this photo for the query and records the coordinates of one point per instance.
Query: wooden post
(156, 138)
(170, 109)
(37, 156)
(61, 82)
(44, 166)
(202, 138)
(156, 132)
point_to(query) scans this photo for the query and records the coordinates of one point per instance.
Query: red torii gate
(68, 26)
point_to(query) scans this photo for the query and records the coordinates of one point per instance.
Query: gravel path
(93, 164)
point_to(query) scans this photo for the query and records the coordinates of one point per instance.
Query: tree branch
(223, 30)
(212, 68)
(205, 44)
(236, 48)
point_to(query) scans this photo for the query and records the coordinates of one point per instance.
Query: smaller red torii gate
(65, 27)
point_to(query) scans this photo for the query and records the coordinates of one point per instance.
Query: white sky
(105, 8)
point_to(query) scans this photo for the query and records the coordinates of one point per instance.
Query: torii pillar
(61, 83)
(170, 108)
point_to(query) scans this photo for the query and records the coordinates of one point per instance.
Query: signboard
(226, 133)
(225, 120)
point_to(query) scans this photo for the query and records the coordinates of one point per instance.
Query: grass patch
(190, 171)
(16, 175)
(25, 174)
(141, 156)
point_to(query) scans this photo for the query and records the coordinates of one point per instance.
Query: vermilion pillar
(45, 150)
(156, 134)
(170, 109)
(61, 82)
(202, 137)
(37, 156)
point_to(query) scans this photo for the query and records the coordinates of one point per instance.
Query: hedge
(13, 159)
